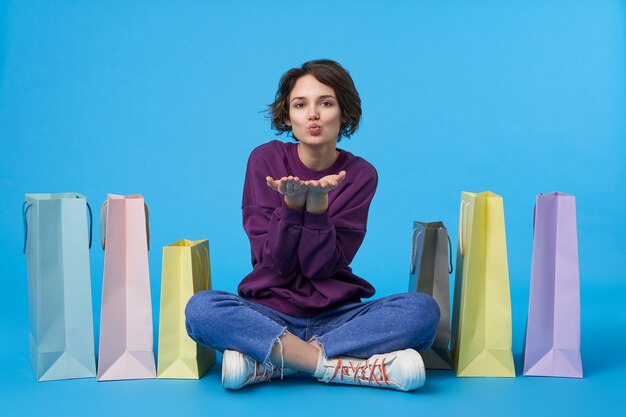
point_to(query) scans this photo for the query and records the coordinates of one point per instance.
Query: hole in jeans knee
(267, 362)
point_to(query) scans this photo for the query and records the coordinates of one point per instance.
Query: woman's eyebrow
(304, 98)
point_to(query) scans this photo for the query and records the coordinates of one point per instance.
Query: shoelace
(359, 372)
(257, 376)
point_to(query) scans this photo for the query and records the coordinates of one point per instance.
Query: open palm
(289, 186)
(325, 184)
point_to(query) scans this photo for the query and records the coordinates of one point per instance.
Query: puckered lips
(314, 129)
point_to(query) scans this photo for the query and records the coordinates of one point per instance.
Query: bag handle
(414, 248)
(90, 223)
(462, 227)
(145, 209)
(103, 221)
(535, 213)
(25, 208)
(204, 276)
(450, 253)
(460, 238)
(534, 217)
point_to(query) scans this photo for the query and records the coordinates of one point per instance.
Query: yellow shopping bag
(481, 316)
(186, 270)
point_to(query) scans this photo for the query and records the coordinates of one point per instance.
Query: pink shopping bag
(126, 347)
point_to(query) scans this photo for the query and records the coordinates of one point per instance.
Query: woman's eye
(298, 105)
(327, 103)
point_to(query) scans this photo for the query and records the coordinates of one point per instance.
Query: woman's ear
(287, 121)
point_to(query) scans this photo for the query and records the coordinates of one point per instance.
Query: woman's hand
(326, 184)
(317, 196)
(293, 188)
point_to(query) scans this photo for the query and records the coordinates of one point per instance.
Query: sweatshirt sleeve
(272, 227)
(330, 240)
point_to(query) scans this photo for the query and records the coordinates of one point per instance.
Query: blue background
(167, 100)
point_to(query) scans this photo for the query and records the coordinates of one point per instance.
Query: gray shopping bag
(56, 244)
(431, 266)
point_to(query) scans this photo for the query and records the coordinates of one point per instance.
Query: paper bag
(126, 347)
(481, 316)
(431, 266)
(186, 270)
(552, 345)
(59, 285)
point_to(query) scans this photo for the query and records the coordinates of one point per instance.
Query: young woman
(305, 208)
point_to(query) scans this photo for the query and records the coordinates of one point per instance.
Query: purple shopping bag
(552, 345)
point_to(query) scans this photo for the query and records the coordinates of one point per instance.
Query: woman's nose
(313, 113)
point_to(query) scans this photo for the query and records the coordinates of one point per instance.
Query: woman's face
(314, 113)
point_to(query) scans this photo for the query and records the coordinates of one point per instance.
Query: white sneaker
(402, 370)
(239, 370)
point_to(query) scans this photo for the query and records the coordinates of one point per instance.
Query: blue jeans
(221, 320)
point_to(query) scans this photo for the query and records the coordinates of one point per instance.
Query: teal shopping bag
(56, 244)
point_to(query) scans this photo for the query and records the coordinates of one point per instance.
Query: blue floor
(600, 392)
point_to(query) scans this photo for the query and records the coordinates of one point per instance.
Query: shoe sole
(231, 364)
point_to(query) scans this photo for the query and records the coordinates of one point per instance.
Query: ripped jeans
(221, 320)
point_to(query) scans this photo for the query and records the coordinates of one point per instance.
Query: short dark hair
(327, 72)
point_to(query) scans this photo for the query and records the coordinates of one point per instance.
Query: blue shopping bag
(56, 244)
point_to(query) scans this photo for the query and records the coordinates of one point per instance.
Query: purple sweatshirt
(301, 260)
